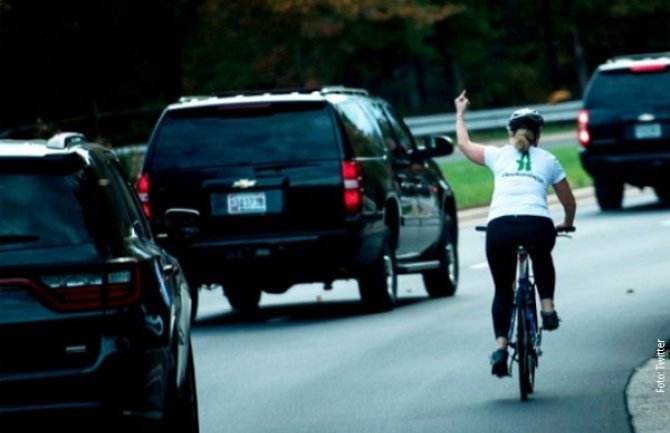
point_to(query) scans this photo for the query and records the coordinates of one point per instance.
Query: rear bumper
(292, 258)
(120, 382)
(640, 169)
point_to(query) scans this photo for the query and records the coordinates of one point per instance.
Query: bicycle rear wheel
(525, 356)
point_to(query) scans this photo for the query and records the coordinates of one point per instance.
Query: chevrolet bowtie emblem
(244, 183)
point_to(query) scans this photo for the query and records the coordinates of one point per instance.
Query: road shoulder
(648, 395)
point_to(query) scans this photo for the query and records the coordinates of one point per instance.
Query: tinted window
(41, 210)
(242, 134)
(400, 130)
(129, 214)
(360, 130)
(623, 89)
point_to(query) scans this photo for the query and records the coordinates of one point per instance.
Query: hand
(563, 226)
(461, 103)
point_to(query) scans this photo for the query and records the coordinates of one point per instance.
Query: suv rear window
(623, 88)
(244, 134)
(44, 210)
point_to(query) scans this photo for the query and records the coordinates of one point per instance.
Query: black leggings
(503, 236)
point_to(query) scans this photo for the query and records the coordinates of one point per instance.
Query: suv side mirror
(435, 146)
(438, 146)
(183, 223)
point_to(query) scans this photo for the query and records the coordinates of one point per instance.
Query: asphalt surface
(312, 362)
(647, 393)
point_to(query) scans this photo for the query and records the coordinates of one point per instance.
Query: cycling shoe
(499, 363)
(550, 320)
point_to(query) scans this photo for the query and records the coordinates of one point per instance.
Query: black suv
(94, 316)
(263, 190)
(624, 127)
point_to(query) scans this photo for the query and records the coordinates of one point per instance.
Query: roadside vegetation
(114, 65)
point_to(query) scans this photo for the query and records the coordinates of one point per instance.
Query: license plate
(246, 203)
(650, 130)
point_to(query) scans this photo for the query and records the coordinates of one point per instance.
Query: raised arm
(567, 200)
(473, 151)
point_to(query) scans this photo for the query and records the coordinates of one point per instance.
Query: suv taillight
(143, 193)
(648, 67)
(353, 187)
(583, 134)
(113, 287)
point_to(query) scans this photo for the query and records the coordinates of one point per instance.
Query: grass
(473, 184)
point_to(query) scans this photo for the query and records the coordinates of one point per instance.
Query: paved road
(314, 362)
(646, 394)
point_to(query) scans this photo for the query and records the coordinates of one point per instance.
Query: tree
(88, 60)
(307, 42)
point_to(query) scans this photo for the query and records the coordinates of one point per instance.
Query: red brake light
(649, 67)
(353, 189)
(112, 287)
(583, 134)
(143, 193)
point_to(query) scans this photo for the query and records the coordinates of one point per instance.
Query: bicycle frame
(525, 336)
(524, 333)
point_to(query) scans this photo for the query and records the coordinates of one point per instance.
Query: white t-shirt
(521, 183)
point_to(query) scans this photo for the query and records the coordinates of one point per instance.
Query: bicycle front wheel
(525, 356)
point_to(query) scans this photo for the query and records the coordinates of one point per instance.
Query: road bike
(525, 335)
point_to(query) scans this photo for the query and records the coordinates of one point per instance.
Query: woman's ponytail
(523, 138)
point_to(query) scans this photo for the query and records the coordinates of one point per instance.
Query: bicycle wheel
(524, 355)
(531, 357)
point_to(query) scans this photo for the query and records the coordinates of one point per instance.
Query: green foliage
(82, 59)
(292, 43)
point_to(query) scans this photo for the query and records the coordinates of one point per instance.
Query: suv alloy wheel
(444, 280)
(378, 282)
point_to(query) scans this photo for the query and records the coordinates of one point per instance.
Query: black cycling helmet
(526, 116)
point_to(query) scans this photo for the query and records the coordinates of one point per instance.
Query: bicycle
(525, 335)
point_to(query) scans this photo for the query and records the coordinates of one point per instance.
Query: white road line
(482, 265)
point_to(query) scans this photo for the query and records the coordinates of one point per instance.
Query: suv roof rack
(190, 98)
(292, 90)
(344, 90)
(258, 92)
(65, 139)
(642, 56)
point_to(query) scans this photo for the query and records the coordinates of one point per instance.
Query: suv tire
(663, 194)
(242, 298)
(195, 300)
(378, 283)
(609, 193)
(182, 404)
(443, 281)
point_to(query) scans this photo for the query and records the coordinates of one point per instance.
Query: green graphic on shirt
(524, 162)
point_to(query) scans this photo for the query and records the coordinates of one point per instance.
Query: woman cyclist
(519, 214)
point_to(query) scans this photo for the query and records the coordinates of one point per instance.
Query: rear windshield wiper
(18, 238)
